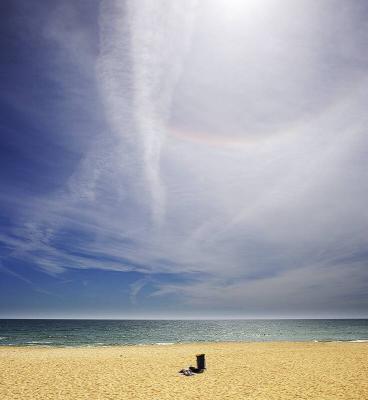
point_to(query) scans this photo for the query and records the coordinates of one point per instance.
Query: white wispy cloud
(142, 50)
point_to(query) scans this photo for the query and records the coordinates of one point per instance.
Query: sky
(170, 159)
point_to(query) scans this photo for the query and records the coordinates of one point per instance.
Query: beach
(277, 370)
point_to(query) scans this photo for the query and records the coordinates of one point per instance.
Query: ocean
(57, 332)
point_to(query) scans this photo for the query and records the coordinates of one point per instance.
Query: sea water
(48, 332)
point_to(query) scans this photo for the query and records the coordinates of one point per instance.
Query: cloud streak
(154, 38)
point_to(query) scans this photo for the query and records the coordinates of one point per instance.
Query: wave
(341, 341)
(37, 342)
(164, 343)
(153, 344)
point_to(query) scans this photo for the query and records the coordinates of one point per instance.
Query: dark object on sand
(201, 366)
(186, 372)
(201, 362)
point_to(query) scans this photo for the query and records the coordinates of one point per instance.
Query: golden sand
(235, 371)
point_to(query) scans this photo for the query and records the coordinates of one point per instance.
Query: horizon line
(182, 319)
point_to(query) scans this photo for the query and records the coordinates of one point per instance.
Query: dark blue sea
(47, 332)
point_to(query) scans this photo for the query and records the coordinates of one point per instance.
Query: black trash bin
(201, 362)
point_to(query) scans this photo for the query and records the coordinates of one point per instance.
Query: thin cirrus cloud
(231, 157)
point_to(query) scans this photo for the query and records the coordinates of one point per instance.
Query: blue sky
(183, 159)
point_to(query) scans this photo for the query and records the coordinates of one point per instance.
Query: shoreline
(163, 344)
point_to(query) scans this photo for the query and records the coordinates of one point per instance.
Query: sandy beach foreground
(235, 371)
